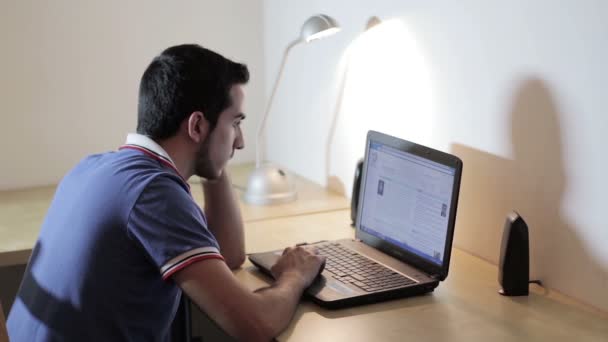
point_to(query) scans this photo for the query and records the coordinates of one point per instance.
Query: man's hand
(224, 218)
(300, 262)
(245, 315)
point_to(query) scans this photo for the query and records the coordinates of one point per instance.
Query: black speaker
(354, 200)
(514, 266)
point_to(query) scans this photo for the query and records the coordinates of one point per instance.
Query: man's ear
(198, 127)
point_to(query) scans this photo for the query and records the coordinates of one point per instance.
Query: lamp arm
(258, 159)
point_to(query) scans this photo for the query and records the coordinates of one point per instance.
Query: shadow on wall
(532, 184)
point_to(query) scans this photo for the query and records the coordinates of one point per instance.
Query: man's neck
(179, 154)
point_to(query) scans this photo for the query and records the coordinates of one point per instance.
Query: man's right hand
(247, 315)
(300, 262)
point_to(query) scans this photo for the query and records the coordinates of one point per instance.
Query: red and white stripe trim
(148, 144)
(188, 258)
(149, 147)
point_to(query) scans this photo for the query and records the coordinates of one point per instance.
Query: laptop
(404, 228)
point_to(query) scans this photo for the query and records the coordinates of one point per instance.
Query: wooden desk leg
(3, 332)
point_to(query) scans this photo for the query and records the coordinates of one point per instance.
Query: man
(123, 236)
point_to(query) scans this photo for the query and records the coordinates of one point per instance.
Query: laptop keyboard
(350, 267)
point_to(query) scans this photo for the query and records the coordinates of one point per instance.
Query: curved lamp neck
(261, 126)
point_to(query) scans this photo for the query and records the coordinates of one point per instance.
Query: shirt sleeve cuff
(188, 258)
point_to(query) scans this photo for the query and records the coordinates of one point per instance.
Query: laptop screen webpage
(406, 201)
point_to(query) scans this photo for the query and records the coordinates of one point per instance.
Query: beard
(203, 166)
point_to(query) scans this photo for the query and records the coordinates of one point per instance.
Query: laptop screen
(407, 200)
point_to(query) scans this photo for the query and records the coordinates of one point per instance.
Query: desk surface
(465, 307)
(22, 211)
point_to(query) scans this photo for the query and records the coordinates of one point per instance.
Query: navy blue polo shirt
(120, 225)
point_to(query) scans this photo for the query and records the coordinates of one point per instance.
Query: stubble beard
(203, 166)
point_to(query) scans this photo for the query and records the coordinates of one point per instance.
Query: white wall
(515, 88)
(70, 73)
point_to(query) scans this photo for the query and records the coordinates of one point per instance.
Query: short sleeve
(171, 227)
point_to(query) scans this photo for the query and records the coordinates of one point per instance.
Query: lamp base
(269, 184)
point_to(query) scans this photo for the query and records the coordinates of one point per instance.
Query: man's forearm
(246, 316)
(224, 219)
(280, 302)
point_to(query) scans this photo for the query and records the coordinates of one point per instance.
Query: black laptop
(404, 227)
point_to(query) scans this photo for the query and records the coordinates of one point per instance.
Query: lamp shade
(318, 26)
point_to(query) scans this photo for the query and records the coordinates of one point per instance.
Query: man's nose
(239, 143)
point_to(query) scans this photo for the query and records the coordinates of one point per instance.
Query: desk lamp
(269, 184)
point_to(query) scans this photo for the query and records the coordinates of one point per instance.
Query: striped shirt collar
(150, 147)
(140, 140)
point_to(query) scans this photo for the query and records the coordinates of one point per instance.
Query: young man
(123, 237)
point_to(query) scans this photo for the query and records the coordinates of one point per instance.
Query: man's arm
(224, 219)
(246, 315)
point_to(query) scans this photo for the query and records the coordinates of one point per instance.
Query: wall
(516, 89)
(70, 73)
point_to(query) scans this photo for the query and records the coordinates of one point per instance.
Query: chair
(3, 332)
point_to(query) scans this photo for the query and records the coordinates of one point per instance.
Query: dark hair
(181, 80)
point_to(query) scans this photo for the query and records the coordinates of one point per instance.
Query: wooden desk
(22, 211)
(312, 198)
(465, 307)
